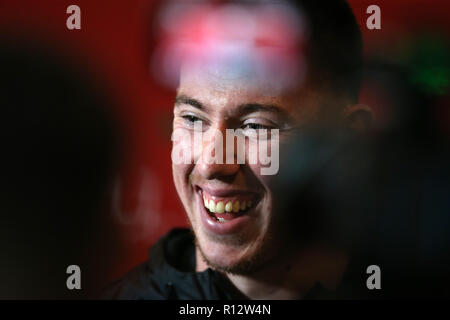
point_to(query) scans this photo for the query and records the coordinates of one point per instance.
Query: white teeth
(220, 219)
(226, 206)
(229, 206)
(236, 206)
(212, 206)
(220, 207)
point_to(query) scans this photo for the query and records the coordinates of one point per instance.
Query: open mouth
(224, 208)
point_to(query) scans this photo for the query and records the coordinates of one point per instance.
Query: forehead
(239, 74)
(222, 88)
(222, 93)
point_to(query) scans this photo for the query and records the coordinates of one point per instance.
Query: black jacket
(170, 273)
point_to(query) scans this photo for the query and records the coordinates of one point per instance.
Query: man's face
(249, 235)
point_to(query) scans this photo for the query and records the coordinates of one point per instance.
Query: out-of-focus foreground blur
(85, 157)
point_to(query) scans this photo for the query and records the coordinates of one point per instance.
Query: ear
(358, 117)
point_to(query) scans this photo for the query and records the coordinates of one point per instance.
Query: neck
(291, 277)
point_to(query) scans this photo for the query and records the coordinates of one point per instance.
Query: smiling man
(265, 70)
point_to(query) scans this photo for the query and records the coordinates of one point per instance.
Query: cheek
(181, 155)
(259, 158)
(182, 149)
(181, 176)
(182, 164)
(266, 182)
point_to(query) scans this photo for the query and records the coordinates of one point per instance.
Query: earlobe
(358, 117)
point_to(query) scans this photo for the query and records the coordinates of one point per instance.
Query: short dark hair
(335, 45)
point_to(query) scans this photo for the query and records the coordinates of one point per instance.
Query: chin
(233, 255)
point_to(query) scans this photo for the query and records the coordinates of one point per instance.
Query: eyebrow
(257, 107)
(242, 109)
(182, 99)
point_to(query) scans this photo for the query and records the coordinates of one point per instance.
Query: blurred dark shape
(326, 187)
(383, 196)
(59, 148)
(413, 190)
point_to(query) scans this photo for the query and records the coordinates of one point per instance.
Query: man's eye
(255, 126)
(191, 119)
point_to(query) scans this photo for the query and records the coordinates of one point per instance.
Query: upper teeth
(226, 206)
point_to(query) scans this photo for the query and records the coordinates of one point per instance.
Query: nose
(213, 163)
(217, 171)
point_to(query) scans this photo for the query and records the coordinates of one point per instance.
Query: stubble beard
(245, 266)
(263, 251)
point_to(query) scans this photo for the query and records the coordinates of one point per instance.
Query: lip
(235, 225)
(227, 193)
